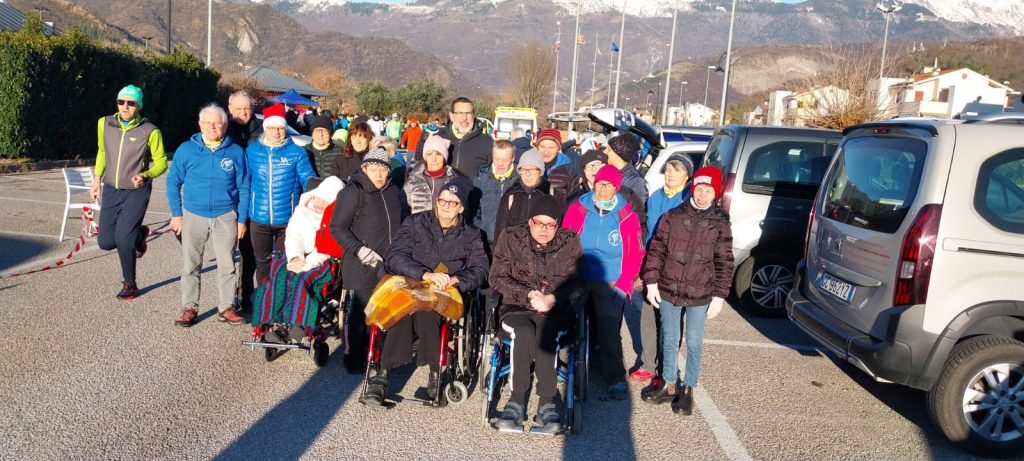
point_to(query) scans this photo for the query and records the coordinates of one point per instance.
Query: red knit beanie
(709, 175)
(550, 134)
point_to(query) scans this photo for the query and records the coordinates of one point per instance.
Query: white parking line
(726, 437)
(17, 199)
(799, 347)
(29, 234)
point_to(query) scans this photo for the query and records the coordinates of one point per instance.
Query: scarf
(502, 177)
(212, 145)
(672, 192)
(606, 205)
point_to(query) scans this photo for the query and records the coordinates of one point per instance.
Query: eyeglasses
(463, 114)
(528, 171)
(125, 102)
(442, 203)
(593, 166)
(604, 184)
(543, 226)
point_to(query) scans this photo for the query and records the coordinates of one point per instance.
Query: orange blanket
(396, 296)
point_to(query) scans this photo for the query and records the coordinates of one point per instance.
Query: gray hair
(518, 132)
(214, 108)
(385, 142)
(240, 94)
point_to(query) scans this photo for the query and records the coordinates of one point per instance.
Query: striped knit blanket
(291, 298)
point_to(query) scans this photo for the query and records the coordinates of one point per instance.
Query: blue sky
(408, 1)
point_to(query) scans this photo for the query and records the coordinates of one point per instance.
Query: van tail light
(915, 264)
(810, 223)
(726, 203)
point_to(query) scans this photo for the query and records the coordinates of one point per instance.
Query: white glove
(368, 257)
(715, 307)
(296, 264)
(653, 296)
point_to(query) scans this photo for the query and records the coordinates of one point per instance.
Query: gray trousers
(651, 347)
(222, 233)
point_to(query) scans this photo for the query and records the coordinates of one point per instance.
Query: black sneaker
(511, 417)
(128, 291)
(549, 420)
(144, 245)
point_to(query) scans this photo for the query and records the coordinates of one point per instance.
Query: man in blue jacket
(279, 170)
(210, 171)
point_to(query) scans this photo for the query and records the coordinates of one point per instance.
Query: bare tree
(529, 73)
(338, 86)
(846, 91)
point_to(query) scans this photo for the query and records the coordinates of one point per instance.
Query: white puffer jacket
(300, 235)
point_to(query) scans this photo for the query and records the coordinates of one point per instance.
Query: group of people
(543, 234)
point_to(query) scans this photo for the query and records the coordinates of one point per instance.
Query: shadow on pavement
(18, 250)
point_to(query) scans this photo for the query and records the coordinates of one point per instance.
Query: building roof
(272, 80)
(924, 78)
(11, 19)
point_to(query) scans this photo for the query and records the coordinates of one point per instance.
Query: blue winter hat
(133, 92)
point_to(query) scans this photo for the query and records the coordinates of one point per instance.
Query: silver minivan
(914, 270)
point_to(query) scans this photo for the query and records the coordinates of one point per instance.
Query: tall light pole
(618, 67)
(887, 10)
(209, 29)
(168, 26)
(558, 50)
(681, 85)
(728, 62)
(593, 74)
(575, 62)
(668, 70)
(649, 93)
(707, 82)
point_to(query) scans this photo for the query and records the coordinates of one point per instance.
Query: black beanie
(625, 146)
(593, 155)
(460, 186)
(322, 121)
(546, 205)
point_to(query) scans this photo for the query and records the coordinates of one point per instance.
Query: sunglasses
(125, 102)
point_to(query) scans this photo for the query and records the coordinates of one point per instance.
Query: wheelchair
(573, 364)
(277, 337)
(459, 357)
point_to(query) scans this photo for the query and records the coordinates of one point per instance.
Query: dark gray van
(771, 175)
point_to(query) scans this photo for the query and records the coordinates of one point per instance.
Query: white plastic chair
(77, 180)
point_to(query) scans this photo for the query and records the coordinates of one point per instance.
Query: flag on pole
(615, 48)
(580, 39)
(558, 45)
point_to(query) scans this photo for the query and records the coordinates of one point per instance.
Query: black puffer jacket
(243, 134)
(420, 246)
(690, 256)
(514, 207)
(365, 216)
(521, 265)
(469, 153)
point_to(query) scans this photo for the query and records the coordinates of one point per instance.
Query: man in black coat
(367, 216)
(440, 247)
(242, 128)
(470, 147)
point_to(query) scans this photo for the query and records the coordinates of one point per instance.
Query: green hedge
(53, 89)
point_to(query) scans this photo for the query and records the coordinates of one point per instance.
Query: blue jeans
(696, 316)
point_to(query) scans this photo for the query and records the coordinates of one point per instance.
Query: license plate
(835, 287)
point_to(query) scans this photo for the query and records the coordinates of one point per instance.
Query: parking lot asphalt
(85, 376)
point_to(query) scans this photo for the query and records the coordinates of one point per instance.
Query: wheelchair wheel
(577, 417)
(270, 354)
(456, 393)
(484, 369)
(320, 353)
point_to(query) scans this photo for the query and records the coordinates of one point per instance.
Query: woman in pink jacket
(613, 252)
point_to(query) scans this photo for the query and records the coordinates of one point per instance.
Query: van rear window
(874, 182)
(786, 166)
(721, 151)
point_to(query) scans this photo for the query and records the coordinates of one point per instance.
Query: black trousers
(535, 339)
(121, 224)
(265, 239)
(357, 333)
(398, 342)
(247, 269)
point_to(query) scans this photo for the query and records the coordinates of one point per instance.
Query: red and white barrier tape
(89, 230)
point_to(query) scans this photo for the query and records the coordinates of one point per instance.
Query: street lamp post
(558, 49)
(680, 107)
(707, 82)
(648, 104)
(887, 10)
(728, 61)
(668, 70)
(168, 26)
(618, 67)
(209, 29)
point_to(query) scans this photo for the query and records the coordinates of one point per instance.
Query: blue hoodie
(214, 182)
(601, 241)
(560, 159)
(658, 205)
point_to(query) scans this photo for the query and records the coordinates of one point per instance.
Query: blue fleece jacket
(560, 159)
(658, 205)
(601, 241)
(212, 182)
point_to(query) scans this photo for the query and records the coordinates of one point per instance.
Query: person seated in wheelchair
(441, 247)
(535, 270)
(297, 279)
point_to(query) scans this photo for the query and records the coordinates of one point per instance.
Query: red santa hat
(274, 116)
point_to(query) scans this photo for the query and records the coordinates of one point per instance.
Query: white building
(944, 93)
(777, 107)
(693, 114)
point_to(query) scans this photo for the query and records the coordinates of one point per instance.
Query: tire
(577, 417)
(456, 393)
(270, 354)
(763, 281)
(979, 372)
(320, 353)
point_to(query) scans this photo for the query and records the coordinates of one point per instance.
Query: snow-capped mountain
(1006, 13)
